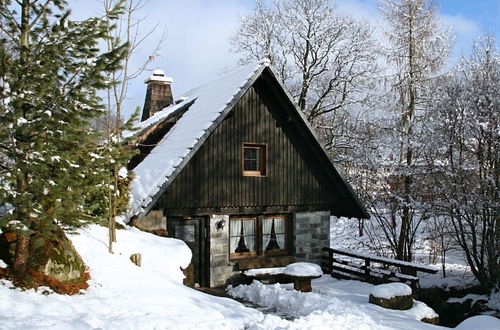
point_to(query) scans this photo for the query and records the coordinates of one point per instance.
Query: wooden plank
(393, 262)
(265, 262)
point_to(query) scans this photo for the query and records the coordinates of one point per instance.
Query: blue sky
(197, 48)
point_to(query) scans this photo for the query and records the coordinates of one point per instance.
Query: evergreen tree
(50, 71)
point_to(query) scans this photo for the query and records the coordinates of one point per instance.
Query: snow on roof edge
(208, 109)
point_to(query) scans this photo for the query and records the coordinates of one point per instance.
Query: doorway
(194, 233)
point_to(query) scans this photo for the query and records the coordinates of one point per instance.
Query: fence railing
(371, 268)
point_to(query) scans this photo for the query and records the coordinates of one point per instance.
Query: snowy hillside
(124, 296)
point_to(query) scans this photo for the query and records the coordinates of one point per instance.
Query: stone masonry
(220, 267)
(311, 233)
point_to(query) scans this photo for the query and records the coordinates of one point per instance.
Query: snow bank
(391, 290)
(261, 271)
(480, 322)
(124, 296)
(303, 269)
(333, 304)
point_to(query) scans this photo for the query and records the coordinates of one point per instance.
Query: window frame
(282, 251)
(258, 237)
(241, 255)
(262, 160)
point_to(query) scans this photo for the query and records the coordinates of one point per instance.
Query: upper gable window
(254, 159)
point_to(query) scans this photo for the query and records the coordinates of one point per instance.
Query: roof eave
(203, 138)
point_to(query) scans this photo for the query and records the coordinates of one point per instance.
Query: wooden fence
(371, 268)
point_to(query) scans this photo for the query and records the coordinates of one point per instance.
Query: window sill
(244, 255)
(254, 174)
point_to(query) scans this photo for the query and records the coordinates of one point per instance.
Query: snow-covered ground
(124, 296)
(333, 304)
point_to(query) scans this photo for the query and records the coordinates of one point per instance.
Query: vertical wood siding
(213, 177)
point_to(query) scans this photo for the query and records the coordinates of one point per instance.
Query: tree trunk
(20, 263)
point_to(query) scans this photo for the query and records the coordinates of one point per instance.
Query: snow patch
(480, 322)
(261, 271)
(333, 304)
(303, 269)
(391, 290)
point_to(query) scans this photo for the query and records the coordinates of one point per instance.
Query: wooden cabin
(234, 170)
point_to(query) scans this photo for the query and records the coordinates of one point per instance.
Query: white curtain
(279, 229)
(248, 231)
(235, 228)
(266, 231)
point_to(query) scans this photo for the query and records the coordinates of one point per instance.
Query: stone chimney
(158, 94)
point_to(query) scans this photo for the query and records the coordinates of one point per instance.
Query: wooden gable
(299, 177)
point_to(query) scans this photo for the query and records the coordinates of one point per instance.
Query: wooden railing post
(367, 270)
(330, 261)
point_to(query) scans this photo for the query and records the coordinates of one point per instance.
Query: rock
(189, 273)
(160, 232)
(56, 257)
(392, 296)
(136, 258)
(152, 221)
(52, 262)
(431, 320)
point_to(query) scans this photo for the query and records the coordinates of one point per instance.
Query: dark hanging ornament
(242, 247)
(273, 242)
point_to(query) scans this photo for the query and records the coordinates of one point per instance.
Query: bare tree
(324, 58)
(417, 51)
(467, 189)
(131, 32)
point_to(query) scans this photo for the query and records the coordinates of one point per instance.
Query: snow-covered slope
(122, 295)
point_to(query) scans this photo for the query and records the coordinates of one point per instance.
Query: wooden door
(194, 233)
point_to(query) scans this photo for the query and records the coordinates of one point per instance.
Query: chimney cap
(159, 75)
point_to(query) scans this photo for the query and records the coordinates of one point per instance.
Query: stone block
(136, 258)
(431, 320)
(219, 260)
(304, 237)
(152, 221)
(220, 275)
(397, 302)
(219, 249)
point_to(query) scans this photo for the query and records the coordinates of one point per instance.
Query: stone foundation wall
(152, 221)
(220, 267)
(311, 233)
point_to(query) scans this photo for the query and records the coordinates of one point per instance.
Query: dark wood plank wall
(213, 178)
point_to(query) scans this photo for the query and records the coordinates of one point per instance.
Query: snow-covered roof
(157, 117)
(208, 102)
(201, 110)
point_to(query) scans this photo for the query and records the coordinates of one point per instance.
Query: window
(252, 236)
(254, 159)
(242, 237)
(273, 234)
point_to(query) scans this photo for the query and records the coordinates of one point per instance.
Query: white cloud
(197, 48)
(465, 31)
